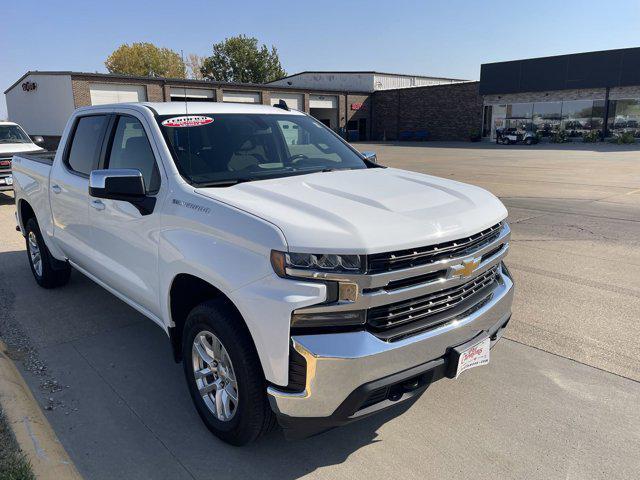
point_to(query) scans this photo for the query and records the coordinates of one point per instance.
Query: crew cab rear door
(69, 187)
(124, 238)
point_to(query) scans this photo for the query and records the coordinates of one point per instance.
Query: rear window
(86, 144)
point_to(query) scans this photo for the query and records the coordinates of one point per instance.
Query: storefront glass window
(576, 117)
(624, 116)
(597, 119)
(547, 117)
(519, 116)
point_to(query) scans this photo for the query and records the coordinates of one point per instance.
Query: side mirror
(38, 140)
(126, 184)
(370, 156)
(118, 184)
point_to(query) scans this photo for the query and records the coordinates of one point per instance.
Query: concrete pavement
(570, 413)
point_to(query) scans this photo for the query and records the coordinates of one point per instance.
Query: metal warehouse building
(360, 80)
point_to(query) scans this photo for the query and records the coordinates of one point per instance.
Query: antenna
(186, 112)
(184, 87)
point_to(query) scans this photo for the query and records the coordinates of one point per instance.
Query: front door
(126, 240)
(486, 121)
(69, 188)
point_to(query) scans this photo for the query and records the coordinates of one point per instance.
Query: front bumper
(343, 369)
(6, 181)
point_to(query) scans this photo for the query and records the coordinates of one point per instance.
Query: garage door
(323, 101)
(191, 94)
(241, 97)
(294, 100)
(102, 93)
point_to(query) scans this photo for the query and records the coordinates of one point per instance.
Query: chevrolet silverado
(298, 281)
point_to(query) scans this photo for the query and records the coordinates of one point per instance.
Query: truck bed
(45, 157)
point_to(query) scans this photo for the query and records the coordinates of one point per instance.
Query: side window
(131, 149)
(86, 143)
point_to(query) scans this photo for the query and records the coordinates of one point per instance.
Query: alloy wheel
(214, 376)
(34, 253)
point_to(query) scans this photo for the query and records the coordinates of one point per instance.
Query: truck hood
(11, 148)
(365, 211)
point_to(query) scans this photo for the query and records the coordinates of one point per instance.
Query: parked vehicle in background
(296, 278)
(13, 139)
(509, 136)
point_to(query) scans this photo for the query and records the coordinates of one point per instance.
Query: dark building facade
(438, 112)
(575, 93)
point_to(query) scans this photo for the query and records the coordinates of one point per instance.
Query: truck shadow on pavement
(126, 411)
(6, 199)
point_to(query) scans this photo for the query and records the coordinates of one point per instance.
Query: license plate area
(470, 355)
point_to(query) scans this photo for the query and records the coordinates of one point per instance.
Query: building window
(576, 117)
(547, 117)
(519, 116)
(624, 116)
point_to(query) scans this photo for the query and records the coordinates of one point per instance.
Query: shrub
(622, 138)
(592, 136)
(475, 136)
(560, 136)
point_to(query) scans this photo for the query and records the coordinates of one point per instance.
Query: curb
(32, 430)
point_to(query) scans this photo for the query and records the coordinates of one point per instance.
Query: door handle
(97, 204)
(56, 188)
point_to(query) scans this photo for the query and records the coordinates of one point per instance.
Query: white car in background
(13, 139)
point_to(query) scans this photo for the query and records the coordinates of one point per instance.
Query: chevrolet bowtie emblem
(466, 268)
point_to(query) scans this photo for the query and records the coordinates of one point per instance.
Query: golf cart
(508, 136)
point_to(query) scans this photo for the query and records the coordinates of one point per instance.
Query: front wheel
(224, 375)
(48, 272)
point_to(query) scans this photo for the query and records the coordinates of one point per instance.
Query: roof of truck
(182, 108)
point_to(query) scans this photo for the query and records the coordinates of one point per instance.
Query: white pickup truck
(296, 279)
(13, 140)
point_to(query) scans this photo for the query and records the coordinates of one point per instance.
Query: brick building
(43, 101)
(575, 94)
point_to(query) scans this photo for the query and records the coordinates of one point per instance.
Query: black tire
(253, 416)
(528, 141)
(52, 273)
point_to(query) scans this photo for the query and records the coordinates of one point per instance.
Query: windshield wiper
(223, 183)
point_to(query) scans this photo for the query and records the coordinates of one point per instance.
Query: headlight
(317, 262)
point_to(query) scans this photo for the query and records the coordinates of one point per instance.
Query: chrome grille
(429, 310)
(413, 257)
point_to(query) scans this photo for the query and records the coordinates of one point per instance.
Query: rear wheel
(48, 272)
(224, 375)
(528, 141)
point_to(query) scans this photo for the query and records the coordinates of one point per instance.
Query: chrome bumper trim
(385, 297)
(338, 363)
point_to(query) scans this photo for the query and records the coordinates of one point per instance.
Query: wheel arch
(25, 212)
(186, 292)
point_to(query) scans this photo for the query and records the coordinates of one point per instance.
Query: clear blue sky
(444, 38)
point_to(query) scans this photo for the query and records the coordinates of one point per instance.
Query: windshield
(13, 134)
(224, 149)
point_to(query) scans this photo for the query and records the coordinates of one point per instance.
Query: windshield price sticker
(187, 121)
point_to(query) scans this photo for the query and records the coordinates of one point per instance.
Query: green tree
(145, 59)
(239, 59)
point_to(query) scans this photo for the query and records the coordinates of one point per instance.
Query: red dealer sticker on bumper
(187, 121)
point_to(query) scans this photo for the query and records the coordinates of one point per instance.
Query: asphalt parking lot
(560, 398)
